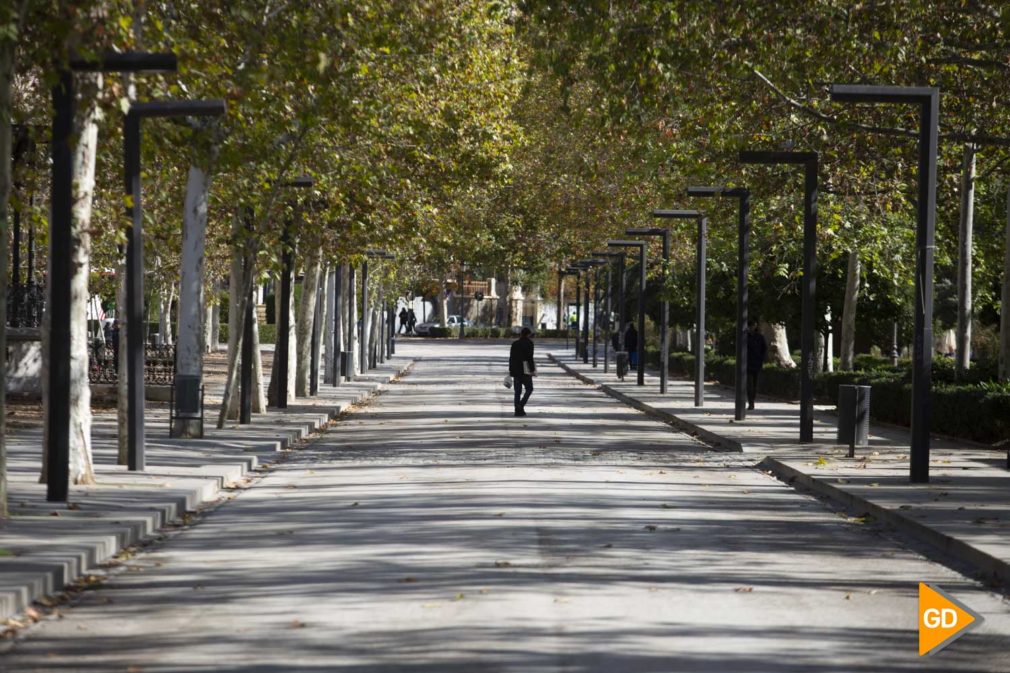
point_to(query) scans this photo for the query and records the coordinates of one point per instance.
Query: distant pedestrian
(631, 344)
(403, 320)
(757, 351)
(522, 369)
(411, 320)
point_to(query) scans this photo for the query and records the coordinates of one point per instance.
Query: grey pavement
(964, 510)
(47, 546)
(433, 531)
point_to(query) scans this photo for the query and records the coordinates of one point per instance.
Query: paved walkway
(46, 546)
(964, 510)
(432, 531)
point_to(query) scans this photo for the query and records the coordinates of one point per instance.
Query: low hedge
(975, 411)
(268, 333)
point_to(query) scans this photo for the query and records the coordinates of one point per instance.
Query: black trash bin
(854, 415)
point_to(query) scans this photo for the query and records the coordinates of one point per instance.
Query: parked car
(452, 321)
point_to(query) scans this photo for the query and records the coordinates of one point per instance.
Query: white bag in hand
(507, 382)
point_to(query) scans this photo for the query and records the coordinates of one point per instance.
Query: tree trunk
(964, 261)
(292, 342)
(6, 73)
(259, 393)
(81, 466)
(443, 307)
(373, 334)
(329, 308)
(236, 304)
(1004, 321)
(164, 315)
(848, 346)
(352, 331)
(209, 342)
(306, 318)
(189, 350)
(778, 345)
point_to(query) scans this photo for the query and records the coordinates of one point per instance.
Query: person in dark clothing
(411, 320)
(403, 320)
(757, 351)
(631, 344)
(522, 369)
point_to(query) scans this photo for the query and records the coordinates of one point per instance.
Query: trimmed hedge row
(268, 333)
(978, 412)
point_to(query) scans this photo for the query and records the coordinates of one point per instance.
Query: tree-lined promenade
(263, 172)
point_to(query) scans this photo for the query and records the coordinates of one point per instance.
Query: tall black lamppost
(594, 264)
(699, 308)
(282, 347)
(188, 395)
(664, 320)
(809, 162)
(366, 360)
(610, 256)
(563, 310)
(641, 301)
(577, 271)
(928, 101)
(60, 250)
(743, 268)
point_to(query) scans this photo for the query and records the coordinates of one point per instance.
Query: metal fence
(25, 305)
(159, 364)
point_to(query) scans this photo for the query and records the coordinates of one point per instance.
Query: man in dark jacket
(522, 369)
(757, 351)
(631, 344)
(403, 320)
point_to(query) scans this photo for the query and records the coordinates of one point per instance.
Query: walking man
(631, 344)
(411, 320)
(757, 351)
(522, 369)
(403, 320)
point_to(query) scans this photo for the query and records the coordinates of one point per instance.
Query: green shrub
(978, 411)
(268, 334)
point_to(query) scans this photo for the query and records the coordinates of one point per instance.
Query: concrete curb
(30, 578)
(995, 569)
(714, 440)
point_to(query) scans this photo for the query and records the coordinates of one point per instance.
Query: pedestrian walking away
(404, 318)
(411, 320)
(522, 369)
(631, 344)
(757, 351)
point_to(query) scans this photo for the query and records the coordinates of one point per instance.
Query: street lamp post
(188, 390)
(610, 256)
(569, 271)
(61, 248)
(366, 360)
(928, 101)
(809, 162)
(641, 301)
(282, 347)
(743, 268)
(699, 309)
(664, 320)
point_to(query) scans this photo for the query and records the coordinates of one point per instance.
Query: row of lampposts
(927, 100)
(188, 394)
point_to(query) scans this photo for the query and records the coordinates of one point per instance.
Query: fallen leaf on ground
(297, 624)
(408, 580)
(650, 527)
(744, 590)
(502, 564)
